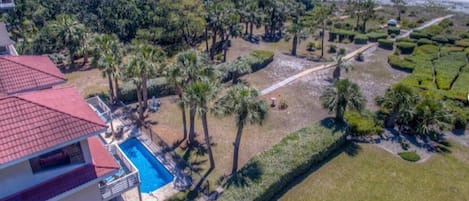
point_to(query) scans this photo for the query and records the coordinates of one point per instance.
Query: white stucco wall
(20, 176)
(90, 193)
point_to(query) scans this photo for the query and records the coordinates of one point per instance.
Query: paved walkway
(345, 58)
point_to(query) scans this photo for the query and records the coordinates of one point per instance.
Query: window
(62, 157)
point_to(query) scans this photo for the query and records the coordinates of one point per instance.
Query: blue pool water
(153, 174)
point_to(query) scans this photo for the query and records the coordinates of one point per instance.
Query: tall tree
(175, 78)
(399, 5)
(295, 30)
(342, 96)
(340, 64)
(242, 102)
(107, 56)
(367, 12)
(318, 17)
(431, 117)
(202, 93)
(69, 33)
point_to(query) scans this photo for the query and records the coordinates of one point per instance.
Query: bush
(332, 36)
(345, 34)
(453, 39)
(405, 47)
(386, 44)
(283, 104)
(394, 30)
(410, 40)
(342, 51)
(332, 48)
(401, 64)
(361, 39)
(284, 162)
(156, 87)
(411, 156)
(418, 35)
(262, 58)
(424, 41)
(446, 23)
(375, 36)
(361, 125)
(360, 57)
(311, 46)
(463, 43)
(464, 35)
(440, 39)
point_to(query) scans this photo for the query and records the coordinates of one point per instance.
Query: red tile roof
(23, 73)
(34, 121)
(103, 164)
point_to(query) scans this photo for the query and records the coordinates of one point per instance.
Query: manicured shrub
(433, 30)
(463, 43)
(411, 156)
(405, 47)
(360, 57)
(401, 64)
(410, 40)
(452, 39)
(375, 36)
(156, 87)
(394, 30)
(278, 166)
(419, 35)
(262, 58)
(424, 41)
(345, 34)
(332, 48)
(361, 125)
(342, 51)
(332, 35)
(361, 39)
(446, 23)
(311, 46)
(440, 39)
(386, 44)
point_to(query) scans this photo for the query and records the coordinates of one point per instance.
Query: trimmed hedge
(285, 161)
(453, 39)
(259, 58)
(386, 44)
(375, 36)
(440, 39)
(424, 41)
(463, 43)
(401, 64)
(411, 156)
(418, 35)
(345, 34)
(394, 30)
(156, 87)
(361, 39)
(361, 125)
(405, 47)
(410, 40)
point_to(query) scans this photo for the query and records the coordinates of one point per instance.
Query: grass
(411, 156)
(374, 174)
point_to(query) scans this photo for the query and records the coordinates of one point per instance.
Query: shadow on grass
(244, 177)
(331, 123)
(349, 148)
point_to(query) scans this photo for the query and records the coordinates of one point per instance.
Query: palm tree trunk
(140, 102)
(184, 123)
(235, 77)
(251, 30)
(236, 149)
(206, 39)
(111, 89)
(294, 45)
(116, 89)
(214, 41)
(207, 140)
(323, 35)
(145, 93)
(246, 28)
(192, 110)
(225, 47)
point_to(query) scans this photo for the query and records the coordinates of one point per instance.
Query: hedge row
(401, 64)
(394, 30)
(386, 44)
(361, 125)
(463, 43)
(259, 59)
(406, 47)
(424, 41)
(375, 36)
(341, 35)
(418, 35)
(285, 161)
(361, 39)
(156, 87)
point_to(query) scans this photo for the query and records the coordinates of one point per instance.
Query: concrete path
(345, 58)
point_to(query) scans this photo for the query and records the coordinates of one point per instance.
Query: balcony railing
(99, 107)
(124, 183)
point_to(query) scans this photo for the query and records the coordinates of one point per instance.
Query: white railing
(120, 185)
(99, 107)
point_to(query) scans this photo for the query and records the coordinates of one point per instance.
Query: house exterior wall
(90, 193)
(20, 176)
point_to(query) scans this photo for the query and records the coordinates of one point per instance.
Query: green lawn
(374, 174)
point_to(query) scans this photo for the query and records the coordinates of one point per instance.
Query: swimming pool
(153, 174)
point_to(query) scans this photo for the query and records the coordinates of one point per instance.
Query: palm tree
(134, 71)
(202, 93)
(339, 66)
(69, 32)
(193, 66)
(107, 51)
(318, 17)
(398, 100)
(242, 102)
(344, 94)
(175, 78)
(431, 117)
(240, 66)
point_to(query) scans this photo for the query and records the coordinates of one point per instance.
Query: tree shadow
(459, 132)
(249, 173)
(331, 123)
(352, 149)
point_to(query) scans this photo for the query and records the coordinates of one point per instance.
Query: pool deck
(160, 151)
